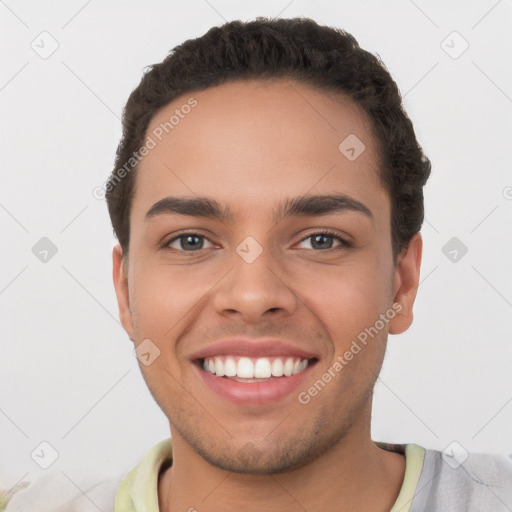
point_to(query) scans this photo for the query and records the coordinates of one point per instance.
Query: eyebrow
(304, 205)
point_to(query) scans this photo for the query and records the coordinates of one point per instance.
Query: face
(269, 270)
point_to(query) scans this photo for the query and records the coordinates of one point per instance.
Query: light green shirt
(433, 482)
(139, 490)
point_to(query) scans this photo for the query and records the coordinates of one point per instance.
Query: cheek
(165, 298)
(163, 305)
(348, 300)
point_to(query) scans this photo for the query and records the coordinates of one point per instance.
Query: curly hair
(322, 57)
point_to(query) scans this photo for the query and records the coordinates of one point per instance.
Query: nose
(254, 289)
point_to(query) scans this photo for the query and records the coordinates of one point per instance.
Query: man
(267, 197)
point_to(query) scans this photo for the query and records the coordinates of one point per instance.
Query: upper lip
(252, 348)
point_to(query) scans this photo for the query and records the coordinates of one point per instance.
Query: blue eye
(188, 242)
(324, 240)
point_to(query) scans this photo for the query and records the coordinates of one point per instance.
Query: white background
(68, 374)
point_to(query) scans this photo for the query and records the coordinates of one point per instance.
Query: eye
(323, 240)
(193, 242)
(187, 242)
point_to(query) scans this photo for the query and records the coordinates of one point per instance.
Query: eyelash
(344, 243)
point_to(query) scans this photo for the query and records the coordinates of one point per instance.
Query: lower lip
(253, 393)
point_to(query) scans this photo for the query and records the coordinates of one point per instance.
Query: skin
(249, 146)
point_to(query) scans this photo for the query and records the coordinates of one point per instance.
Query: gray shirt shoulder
(481, 483)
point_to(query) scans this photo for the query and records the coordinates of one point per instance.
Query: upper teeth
(250, 368)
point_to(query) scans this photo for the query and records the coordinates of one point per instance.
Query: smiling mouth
(249, 369)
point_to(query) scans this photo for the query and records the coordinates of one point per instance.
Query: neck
(355, 474)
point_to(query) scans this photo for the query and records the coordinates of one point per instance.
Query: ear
(120, 277)
(405, 284)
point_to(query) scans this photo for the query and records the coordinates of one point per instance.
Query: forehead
(251, 143)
